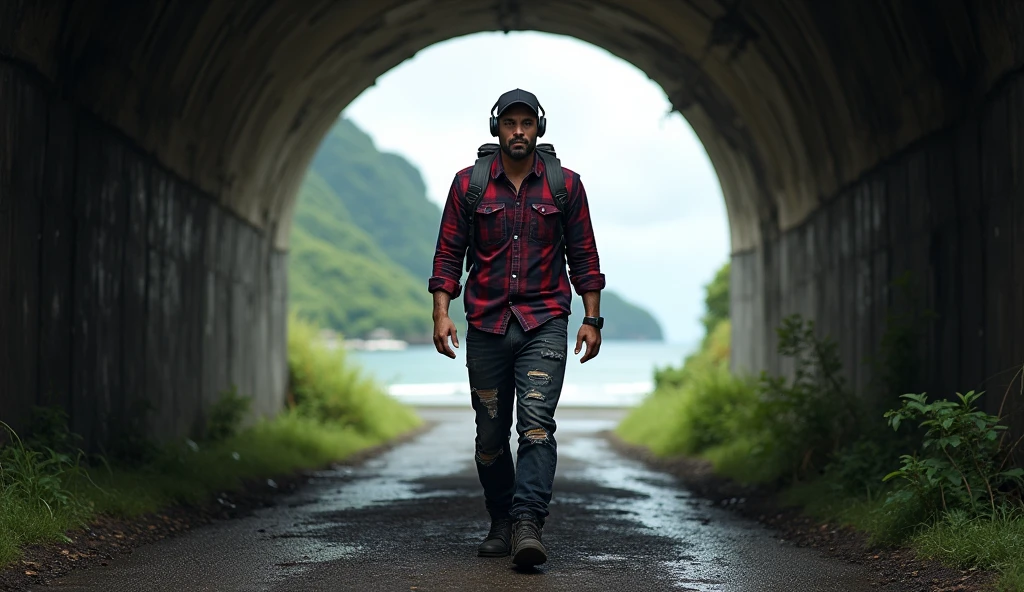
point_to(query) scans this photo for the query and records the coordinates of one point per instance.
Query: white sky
(657, 208)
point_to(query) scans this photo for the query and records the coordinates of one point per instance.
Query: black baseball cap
(517, 96)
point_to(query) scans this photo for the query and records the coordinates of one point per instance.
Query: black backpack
(481, 174)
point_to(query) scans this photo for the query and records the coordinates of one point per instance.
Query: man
(517, 302)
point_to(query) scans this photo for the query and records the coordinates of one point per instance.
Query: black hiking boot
(527, 549)
(498, 540)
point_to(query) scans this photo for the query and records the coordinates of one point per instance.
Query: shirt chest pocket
(491, 225)
(545, 223)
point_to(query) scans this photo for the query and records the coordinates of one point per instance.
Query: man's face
(517, 131)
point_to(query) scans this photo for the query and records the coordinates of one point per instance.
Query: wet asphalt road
(411, 518)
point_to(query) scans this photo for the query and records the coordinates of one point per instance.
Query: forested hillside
(362, 242)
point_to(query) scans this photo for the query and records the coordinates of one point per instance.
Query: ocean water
(620, 376)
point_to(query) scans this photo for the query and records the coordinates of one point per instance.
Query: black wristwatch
(595, 321)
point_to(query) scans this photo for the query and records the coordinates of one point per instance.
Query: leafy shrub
(226, 415)
(961, 463)
(856, 469)
(793, 426)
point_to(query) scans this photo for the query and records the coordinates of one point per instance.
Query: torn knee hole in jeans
(489, 398)
(534, 394)
(538, 377)
(537, 435)
(487, 459)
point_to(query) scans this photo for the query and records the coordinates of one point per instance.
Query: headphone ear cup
(542, 125)
(494, 126)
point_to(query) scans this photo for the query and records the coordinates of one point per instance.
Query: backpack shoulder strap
(556, 177)
(556, 183)
(477, 182)
(478, 179)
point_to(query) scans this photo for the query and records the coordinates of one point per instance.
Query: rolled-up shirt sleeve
(581, 245)
(450, 250)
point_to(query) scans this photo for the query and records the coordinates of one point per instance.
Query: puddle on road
(712, 546)
(393, 476)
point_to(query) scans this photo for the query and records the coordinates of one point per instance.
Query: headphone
(542, 121)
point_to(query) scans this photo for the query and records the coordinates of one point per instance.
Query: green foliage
(226, 415)
(856, 468)
(192, 473)
(39, 491)
(963, 541)
(384, 196)
(702, 414)
(953, 495)
(339, 278)
(698, 406)
(326, 387)
(961, 464)
(754, 431)
(798, 424)
(895, 365)
(716, 300)
(48, 429)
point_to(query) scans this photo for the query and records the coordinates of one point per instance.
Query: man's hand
(590, 335)
(444, 327)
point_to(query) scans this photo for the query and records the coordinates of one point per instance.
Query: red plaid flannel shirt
(520, 267)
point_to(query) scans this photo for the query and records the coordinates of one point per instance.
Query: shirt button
(515, 237)
(513, 276)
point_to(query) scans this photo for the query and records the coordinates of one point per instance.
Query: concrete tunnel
(151, 151)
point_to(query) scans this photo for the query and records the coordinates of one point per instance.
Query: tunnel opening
(148, 176)
(654, 196)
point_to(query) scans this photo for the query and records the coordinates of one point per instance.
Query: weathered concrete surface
(832, 125)
(950, 213)
(121, 285)
(412, 518)
(793, 99)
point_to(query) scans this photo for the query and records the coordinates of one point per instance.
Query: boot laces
(529, 529)
(499, 527)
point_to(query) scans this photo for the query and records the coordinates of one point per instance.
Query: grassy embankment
(333, 411)
(929, 473)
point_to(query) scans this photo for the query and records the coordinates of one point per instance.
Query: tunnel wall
(121, 284)
(949, 213)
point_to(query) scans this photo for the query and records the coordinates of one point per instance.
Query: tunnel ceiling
(792, 99)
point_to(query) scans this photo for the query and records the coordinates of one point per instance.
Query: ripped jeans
(526, 368)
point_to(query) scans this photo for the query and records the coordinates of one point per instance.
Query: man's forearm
(442, 300)
(592, 303)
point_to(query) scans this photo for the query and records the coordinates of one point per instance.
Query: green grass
(820, 500)
(693, 407)
(188, 475)
(964, 543)
(956, 540)
(333, 412)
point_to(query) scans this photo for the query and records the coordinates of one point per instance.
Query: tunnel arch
(849, 138)
(791, 101)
